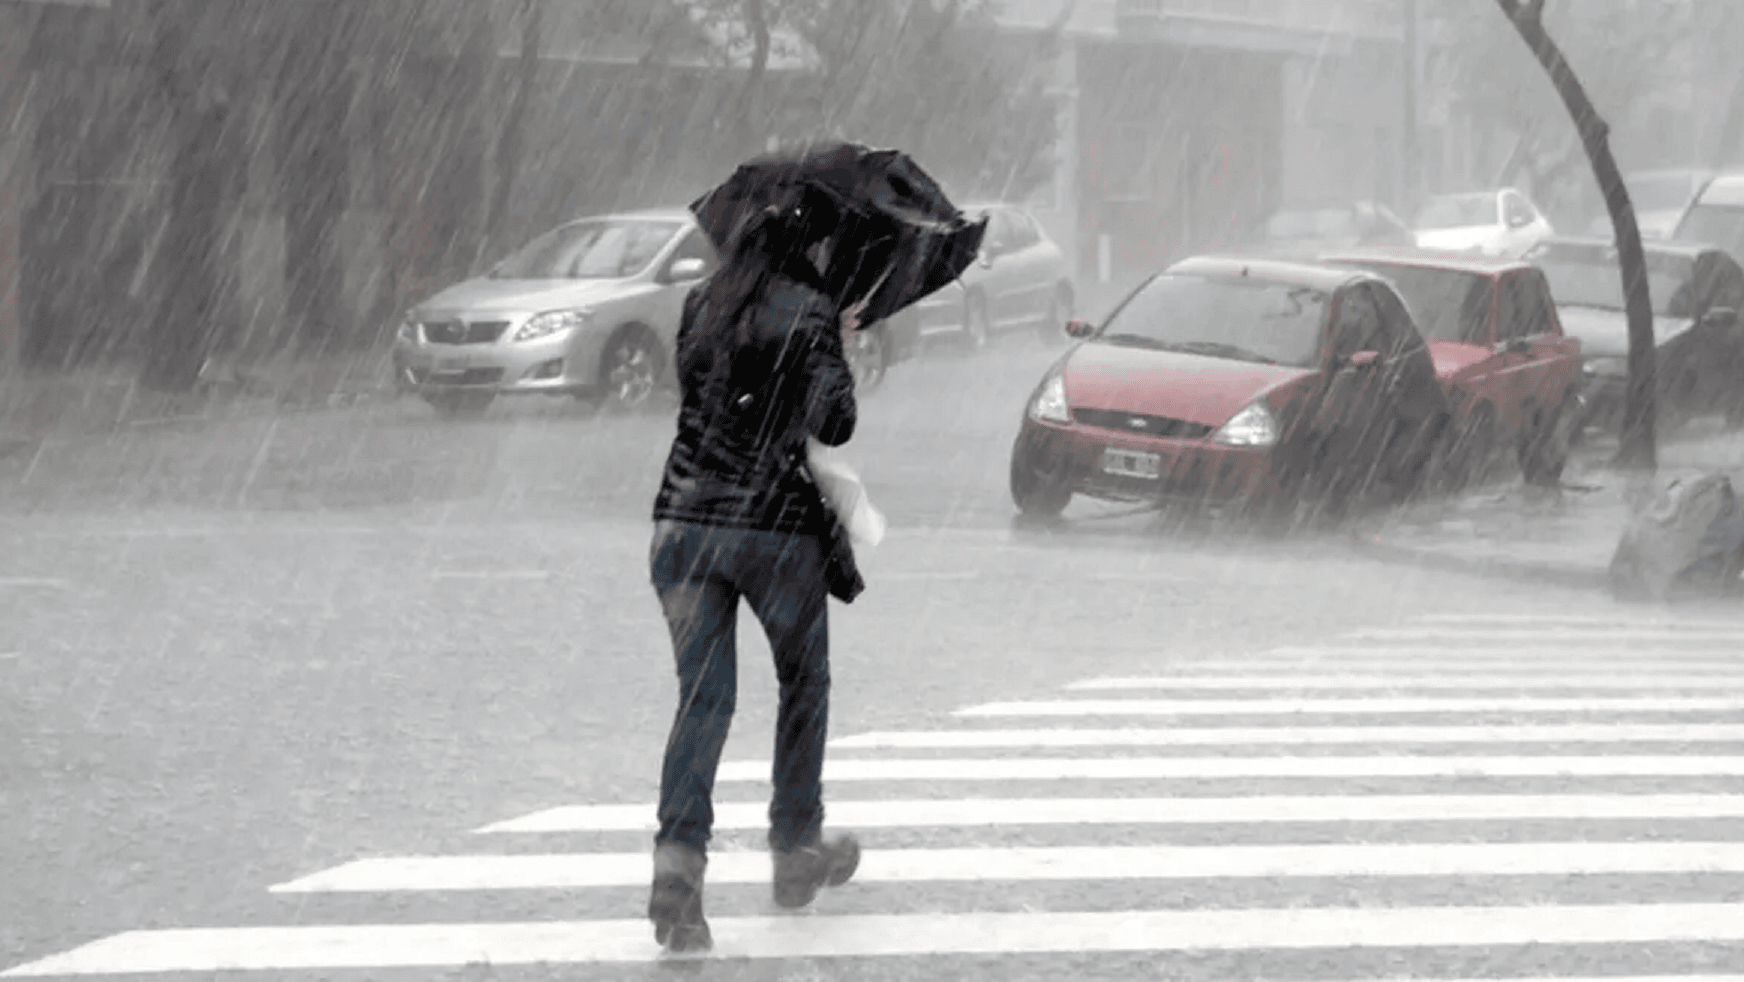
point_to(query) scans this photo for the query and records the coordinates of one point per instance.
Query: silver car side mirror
(689, 268)
(1720, 318)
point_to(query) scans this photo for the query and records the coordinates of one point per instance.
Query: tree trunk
(313, 156)
(1636, 444)
(745, 112)
(513, 137)
(183, 327)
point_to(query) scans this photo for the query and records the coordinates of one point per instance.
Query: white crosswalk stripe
(1583, 635)
(583, 942)
(1425, 771)
(1300, 683)
(921, 813)
(1371, 705)
(1224, 736)
(562, 871)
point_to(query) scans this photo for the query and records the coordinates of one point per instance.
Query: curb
(1567, 575)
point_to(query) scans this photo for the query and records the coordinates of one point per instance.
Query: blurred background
(332, 161)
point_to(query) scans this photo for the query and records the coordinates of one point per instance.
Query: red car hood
(1195, 388)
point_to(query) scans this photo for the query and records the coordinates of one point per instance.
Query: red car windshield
(1245, 319)
(1447, 304)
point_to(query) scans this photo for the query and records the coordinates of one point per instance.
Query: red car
(1511, 376)
(1249, 382)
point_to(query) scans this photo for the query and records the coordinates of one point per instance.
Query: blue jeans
(699, 573)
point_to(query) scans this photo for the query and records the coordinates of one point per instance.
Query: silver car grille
(464, 332)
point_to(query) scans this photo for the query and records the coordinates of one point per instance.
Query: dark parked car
(1255, 383)
(1697, 291)
(1513, 379)
(1021, 281)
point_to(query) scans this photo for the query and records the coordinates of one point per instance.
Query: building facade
(1184, 122)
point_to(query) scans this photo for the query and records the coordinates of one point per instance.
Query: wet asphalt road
(233, 655)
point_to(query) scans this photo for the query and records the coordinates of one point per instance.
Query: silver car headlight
(550, 323)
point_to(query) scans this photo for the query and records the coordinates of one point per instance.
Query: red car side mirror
(1079, 328)
(1364, 359)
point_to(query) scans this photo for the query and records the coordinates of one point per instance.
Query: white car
(1494, 223)
(589, 309)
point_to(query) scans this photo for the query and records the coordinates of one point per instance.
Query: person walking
(760, 367)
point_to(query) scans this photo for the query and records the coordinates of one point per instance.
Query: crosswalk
(1569, 789)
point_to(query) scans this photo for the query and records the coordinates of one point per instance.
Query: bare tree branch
(1636, 444)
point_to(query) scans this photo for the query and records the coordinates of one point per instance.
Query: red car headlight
(1254, 426)
(1049, 402)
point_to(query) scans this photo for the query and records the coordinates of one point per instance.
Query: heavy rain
(871, 489)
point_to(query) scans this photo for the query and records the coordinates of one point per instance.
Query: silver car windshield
(1661, 192)
(1459, 211)
(1245, 319)
(1714, 224)
(1592, 278)
(594, 249)
(1312, 223)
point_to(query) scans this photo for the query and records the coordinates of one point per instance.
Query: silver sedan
(589, 309)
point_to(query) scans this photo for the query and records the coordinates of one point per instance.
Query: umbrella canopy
(899, 239)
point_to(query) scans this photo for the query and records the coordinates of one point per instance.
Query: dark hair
(772, 241)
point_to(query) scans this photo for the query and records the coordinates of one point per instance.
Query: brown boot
(800, 872)
(675, 902)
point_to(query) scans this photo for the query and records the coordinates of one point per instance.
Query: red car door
(1471, 368)
(1354, 390)
(1381, 391)
(1537, 364)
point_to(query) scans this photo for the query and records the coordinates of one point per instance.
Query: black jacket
(737, 459)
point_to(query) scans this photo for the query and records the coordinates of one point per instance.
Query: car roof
(1725, 189)
(1407, 256)
(1468, 193)
(1300, 272)
(971, 207)
(1669, 172)
(1321, 204)
(1663, 247)
(652, 214)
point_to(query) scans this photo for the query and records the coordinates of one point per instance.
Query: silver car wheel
(631, 368)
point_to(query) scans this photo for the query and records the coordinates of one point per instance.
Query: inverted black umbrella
(900, 237)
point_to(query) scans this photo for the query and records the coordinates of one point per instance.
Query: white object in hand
(845, 494)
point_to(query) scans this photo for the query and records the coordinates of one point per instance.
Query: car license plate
(450, 365)
(1131, 463)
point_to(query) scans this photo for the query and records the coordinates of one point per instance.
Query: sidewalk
(1564, 536)
(39, 405)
